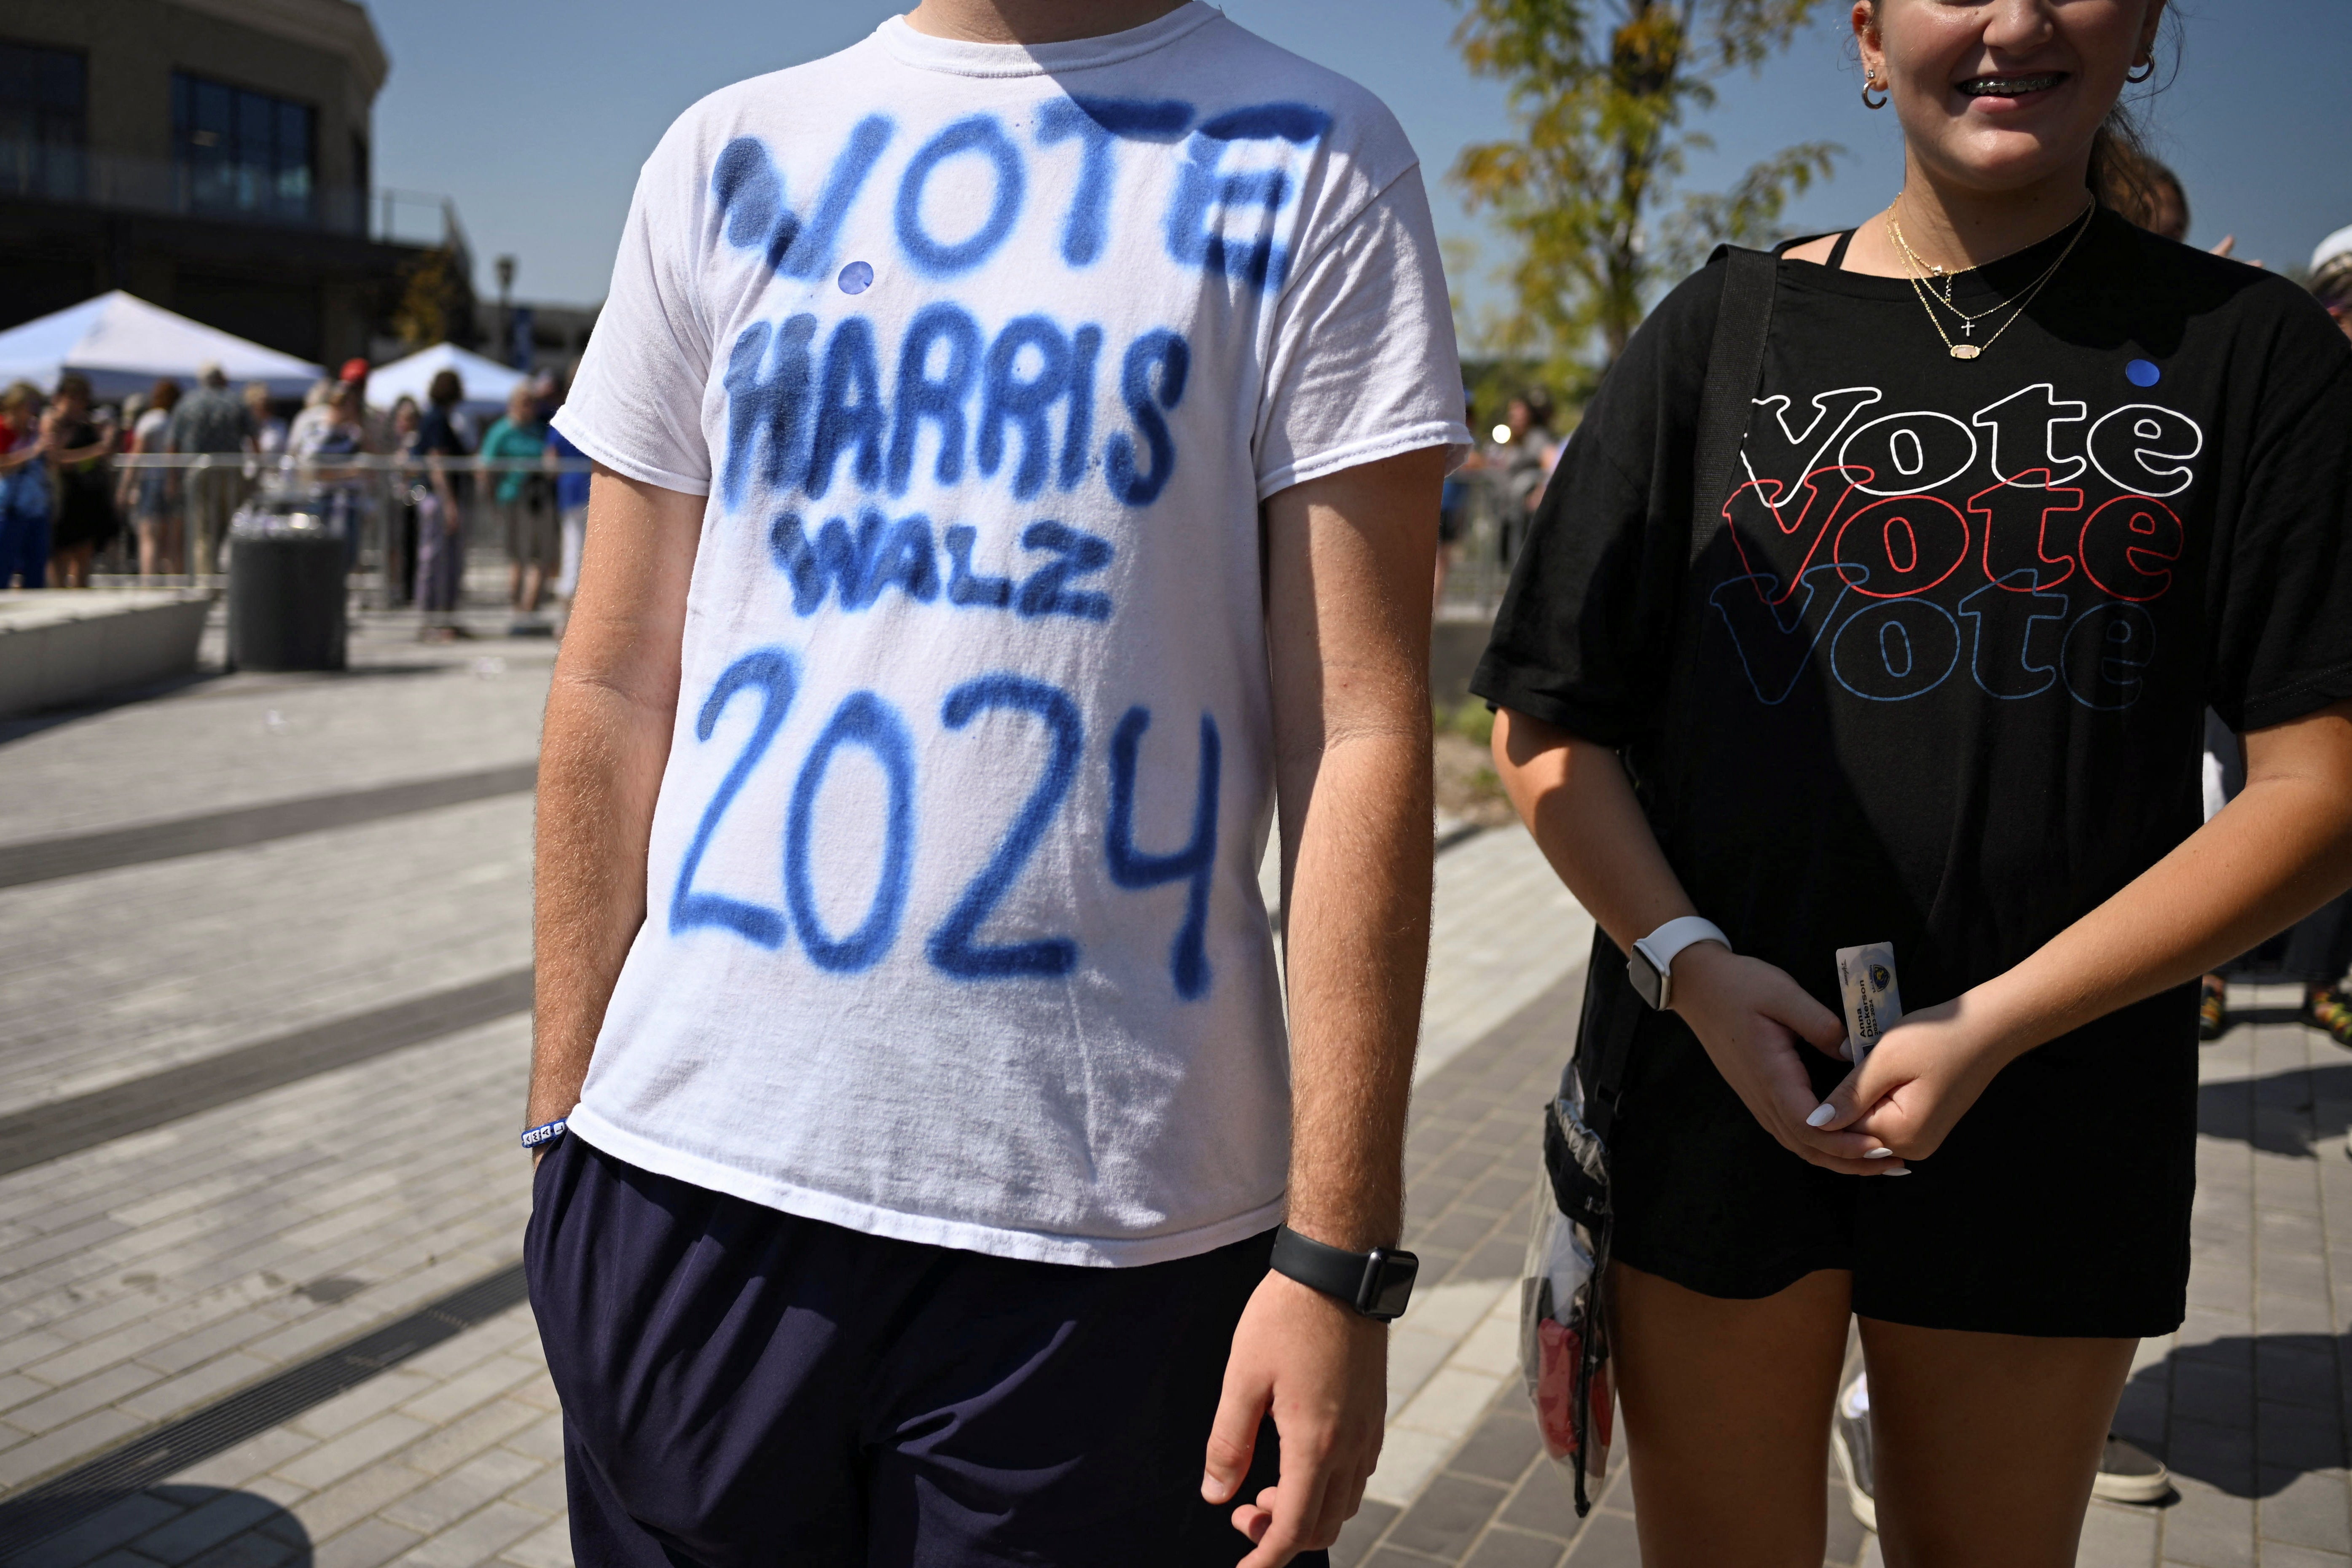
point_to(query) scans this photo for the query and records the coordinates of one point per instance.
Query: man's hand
(1322, 1369)
(1752, 1017)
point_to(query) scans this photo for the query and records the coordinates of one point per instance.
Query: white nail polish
(1823, 1115)
(1880, 1154)
(1903, 1172)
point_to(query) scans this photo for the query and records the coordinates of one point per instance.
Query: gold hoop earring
(1869, 80)
(2145, 69)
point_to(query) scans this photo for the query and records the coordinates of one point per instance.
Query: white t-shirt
(985, 357)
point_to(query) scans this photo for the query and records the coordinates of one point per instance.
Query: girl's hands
(1922, 1077)
(1752, 1017)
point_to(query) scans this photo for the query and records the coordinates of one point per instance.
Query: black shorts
(2059, 1206)
(745, 1387)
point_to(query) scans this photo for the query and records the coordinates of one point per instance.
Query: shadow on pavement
(2285, 1113)
(2247, 1414)
(161, 1523)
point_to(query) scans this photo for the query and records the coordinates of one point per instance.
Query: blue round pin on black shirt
(2142, 372)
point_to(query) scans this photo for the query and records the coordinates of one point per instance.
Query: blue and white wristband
(545, 1135)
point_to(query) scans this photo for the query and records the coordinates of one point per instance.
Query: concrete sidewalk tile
(2277, 1554)
(36, 1457)
(254, 1456)
(2118, 1537)
(370, 1543)
(1493, 1347)
(1449, 1515)
(354, 1406)
(332, 1462)
(206, 1383)
(1451, 1403)
(1545, 1504)
(542, 1438)
(1607, 1540)
(476, 1538)
(122, 1521)
(549, 1546)
(1413, 1358)
(1502, 1548)
(254, 1549)
(2207, 1527)
(357, 1496)
(504, 1422)
(545, 1490)
(77, 1399)
(1505, 1445)
(2298, 1438)
(237, 1331)
(451, 1496)
(2304, 1509)
(1408, 1459)
(201, 1529)
(474, 1387)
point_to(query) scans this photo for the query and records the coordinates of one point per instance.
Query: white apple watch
(1651, 967)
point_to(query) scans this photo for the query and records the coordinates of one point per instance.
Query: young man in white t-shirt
(1021, 438)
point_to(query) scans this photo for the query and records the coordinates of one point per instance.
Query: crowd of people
(68, 506)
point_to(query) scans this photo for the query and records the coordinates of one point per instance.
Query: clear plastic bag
(1563, 1323)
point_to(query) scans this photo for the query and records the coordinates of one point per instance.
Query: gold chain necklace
(1928, 300)
(1918, 263)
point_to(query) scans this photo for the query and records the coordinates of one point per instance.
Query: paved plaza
(263, 1041)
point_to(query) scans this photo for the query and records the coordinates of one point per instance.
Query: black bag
(1565, 1312)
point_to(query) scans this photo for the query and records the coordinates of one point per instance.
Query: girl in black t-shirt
(2023, 489)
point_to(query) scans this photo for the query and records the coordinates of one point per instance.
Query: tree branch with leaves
(1601, 92)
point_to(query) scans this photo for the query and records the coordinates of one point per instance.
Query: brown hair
(446, 389)
(165, 395)
(76, 386)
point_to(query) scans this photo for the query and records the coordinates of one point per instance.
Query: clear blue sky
(535, 115)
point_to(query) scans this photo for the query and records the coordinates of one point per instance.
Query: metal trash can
(287, 610)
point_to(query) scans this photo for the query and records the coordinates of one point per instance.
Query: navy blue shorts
(745, 1387)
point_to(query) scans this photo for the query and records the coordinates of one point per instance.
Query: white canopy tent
(487, 383)
(124, 344)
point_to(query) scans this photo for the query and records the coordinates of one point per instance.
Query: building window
(42, 121)
(245, 153)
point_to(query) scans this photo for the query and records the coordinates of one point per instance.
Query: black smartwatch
(1376, 1283)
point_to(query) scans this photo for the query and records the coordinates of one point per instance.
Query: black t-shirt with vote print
(1953, 638)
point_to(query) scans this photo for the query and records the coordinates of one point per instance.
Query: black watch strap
(1376, 1283)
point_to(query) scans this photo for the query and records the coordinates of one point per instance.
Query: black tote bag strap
(1612, 1013)
(1734, 368)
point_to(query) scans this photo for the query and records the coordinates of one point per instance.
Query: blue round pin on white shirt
(2142, 372)
(856, 277)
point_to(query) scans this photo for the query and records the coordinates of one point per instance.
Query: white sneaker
(2128, 1473)
(1850, 1437)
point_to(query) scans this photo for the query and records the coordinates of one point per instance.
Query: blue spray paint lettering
(1098, 122)
(978, 134)
(1207, 197)
(1009, 398)
(919, 396)
(954, 947)
(768, 378)
(1077, 437)
(966, 586)
(862, 720)
(769, 672)
(1193, 865)
(1164, 356)
(849, 413)
(856, 567)
(1047, 591)
(749, 190)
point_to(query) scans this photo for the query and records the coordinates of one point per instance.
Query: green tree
(1601, 90)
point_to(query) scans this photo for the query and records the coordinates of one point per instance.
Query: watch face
(1398, 1271)
(1648, 983)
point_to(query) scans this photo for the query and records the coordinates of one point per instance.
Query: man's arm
(1348, 628)
(600, 766)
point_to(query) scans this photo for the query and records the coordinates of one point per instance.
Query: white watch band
(1661, 946)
